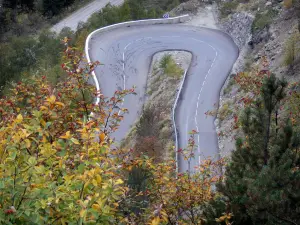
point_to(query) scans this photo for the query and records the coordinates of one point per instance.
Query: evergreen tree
(124, 11)
(53, 7)
(263, 179)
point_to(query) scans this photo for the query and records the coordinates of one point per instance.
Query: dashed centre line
(200, 92)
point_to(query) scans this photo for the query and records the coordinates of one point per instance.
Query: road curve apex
(171, 20)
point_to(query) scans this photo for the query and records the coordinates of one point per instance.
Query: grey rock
(268, 3)
(239, 27)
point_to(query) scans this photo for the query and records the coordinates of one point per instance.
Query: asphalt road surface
(127, 53)
(83, 14)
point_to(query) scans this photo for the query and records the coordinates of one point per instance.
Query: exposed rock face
(268, 3)
(268, 42)
(238, 26)
(261, 36)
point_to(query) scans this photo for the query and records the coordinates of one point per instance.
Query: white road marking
(199, 95)
(123, 62)
(127, 46)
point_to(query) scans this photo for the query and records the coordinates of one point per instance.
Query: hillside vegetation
(31, 48)
(59, 164)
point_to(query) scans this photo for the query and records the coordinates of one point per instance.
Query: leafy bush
(227, 8)
(168, 64)
(224, 112)
(58, 164)
(288, 3)
(23, 54)
(165, 60)
(291, 49)
(52, 169)
(263, 19)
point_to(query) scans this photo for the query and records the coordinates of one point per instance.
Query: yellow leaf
(28, 143)
(94, 182)
(98, 178)
(82, 213)
(63, 222)
(96, 206)
(51, 99)
(119, 181)
(43, 122)
(60, 104)
(102, 137)
(43, 108)
(66, 136)
(19, 118)
(155, 221)
(44, 139)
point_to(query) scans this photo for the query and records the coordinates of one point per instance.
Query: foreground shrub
(58, 164)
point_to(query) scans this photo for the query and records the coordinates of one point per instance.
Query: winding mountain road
(127, 53)
(83, 14)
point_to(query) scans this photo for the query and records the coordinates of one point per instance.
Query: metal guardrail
(178, 19)
(173, 118)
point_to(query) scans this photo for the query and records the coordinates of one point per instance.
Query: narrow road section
(83, 14)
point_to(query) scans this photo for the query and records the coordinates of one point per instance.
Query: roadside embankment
(153, 132)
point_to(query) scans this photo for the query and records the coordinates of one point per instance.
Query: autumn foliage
(60, 166)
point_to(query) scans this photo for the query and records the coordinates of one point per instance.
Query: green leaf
(62, 153)
(2, 184)
(12, 154)
(32, 161)
(62, 143)
(81, 168)
(48, 124)
(75, 141)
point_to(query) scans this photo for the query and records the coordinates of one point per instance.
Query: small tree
(291, 49)
(53, 171)
(262, 180)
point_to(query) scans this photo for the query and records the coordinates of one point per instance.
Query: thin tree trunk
(276, 121)
(267, 138)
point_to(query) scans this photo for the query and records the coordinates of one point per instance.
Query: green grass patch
(169, 66)
(263, 19)
(227, 8)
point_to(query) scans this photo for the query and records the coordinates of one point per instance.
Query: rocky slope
(254, 44)
(260, 29)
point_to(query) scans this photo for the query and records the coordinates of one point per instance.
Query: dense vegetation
(60, 166)
(262, 180)
(22, 53)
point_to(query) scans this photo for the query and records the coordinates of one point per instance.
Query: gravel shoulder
(204, 17)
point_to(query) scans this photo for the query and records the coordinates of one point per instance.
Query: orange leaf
(102, 137)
